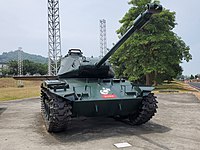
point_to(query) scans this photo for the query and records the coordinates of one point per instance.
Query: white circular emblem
(105, 91)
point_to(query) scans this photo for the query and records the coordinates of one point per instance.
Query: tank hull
(98, 97)
(65, 99)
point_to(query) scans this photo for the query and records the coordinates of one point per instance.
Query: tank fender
(51, 95)
(143, 90)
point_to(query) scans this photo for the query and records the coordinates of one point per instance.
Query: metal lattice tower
(103, 38)
(20, 62)
(20, 67)
(54, 39)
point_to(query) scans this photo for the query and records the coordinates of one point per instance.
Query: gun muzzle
(154, 8)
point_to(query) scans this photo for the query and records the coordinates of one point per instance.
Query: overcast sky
(24, 24)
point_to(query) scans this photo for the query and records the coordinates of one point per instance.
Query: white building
(2, 67)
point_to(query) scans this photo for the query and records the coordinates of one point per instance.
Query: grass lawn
(10, 91)
(174, 86)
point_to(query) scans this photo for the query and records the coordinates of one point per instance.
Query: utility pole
(20, 66)
(103, 38)
(54, 39)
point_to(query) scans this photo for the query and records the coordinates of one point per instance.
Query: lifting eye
(73, 65)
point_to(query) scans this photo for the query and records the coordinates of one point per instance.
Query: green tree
(197, 76)
(12, 67)
(152, 54)
(192, 77)
(29, 67)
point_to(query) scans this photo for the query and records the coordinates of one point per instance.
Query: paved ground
(175, 126)
(196, 85)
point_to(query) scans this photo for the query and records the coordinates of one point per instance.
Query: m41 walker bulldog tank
(87, 87)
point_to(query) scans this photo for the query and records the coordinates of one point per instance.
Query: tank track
(56, 112)
(146, 111)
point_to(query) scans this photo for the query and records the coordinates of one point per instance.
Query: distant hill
(13, 55)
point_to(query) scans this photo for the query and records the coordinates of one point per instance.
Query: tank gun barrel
(139, 22)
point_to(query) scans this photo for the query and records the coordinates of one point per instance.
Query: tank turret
(75, 65)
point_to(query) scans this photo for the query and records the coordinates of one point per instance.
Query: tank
(87, 86)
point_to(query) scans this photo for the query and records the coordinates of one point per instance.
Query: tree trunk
(147, 79)
(155, 77)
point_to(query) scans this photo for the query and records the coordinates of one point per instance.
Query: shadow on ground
(2, 110)
(85, 129)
